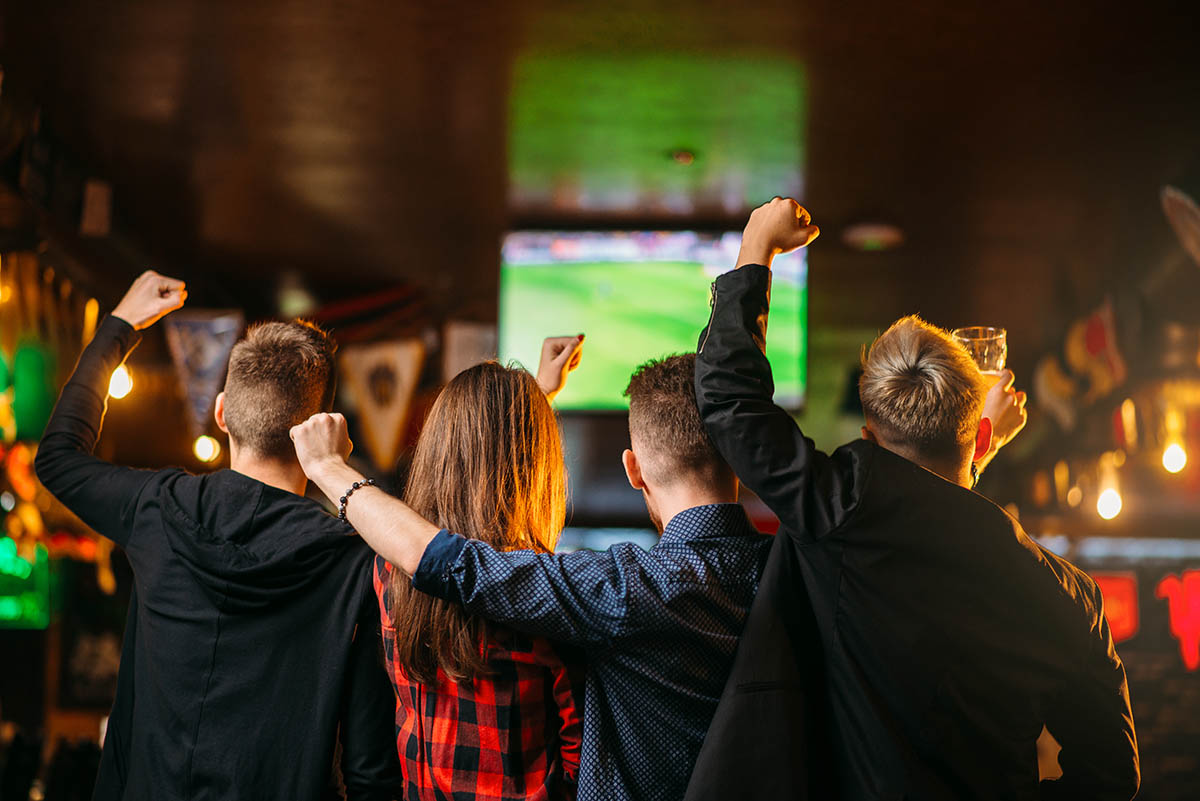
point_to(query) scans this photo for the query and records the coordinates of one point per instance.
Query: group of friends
(899, 637)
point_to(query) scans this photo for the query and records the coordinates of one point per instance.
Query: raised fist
(149, 298)
(777, 227)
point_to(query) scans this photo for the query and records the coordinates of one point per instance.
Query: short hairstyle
(665, 425)
(280, 374)
(921, 390)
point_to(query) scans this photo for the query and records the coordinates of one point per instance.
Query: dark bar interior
(438, 184)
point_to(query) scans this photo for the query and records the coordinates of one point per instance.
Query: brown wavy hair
(488, 465)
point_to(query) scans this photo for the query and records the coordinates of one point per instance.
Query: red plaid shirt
(512, 735)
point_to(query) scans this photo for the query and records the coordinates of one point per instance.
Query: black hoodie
(252, 629)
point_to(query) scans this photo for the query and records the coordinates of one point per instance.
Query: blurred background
(440, 183)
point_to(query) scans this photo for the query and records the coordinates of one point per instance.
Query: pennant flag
(200, 343)
(380, 379)
(1184, 216)
(466, 345)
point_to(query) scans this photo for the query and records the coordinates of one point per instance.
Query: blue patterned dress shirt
(658, 628)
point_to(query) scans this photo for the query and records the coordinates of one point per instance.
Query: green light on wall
(24, 588)
(33, 389)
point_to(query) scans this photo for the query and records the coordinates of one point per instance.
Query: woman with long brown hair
(481, 710)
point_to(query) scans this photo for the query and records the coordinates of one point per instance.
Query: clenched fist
(321, 440)
(777, 227)
(149, 298)
(560, 355)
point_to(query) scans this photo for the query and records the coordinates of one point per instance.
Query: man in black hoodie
(252, 625)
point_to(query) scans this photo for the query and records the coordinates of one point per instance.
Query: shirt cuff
(433, 573)
(121, 331)
(748, 275)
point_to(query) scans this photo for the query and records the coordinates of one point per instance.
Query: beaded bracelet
(370, 482)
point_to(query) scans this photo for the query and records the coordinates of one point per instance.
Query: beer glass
(987, 345)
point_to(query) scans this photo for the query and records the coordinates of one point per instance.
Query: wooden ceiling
(1020, 146)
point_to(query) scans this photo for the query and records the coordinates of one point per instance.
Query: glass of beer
(988, 346)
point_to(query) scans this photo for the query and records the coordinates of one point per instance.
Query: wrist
(332, 475)
(755, 253)
(119, 314)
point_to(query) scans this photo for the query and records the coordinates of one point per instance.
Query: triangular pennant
(1184, 216)
(200, 343)
(381, 378)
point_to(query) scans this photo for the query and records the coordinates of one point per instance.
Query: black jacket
(908, 641)
(252, 630)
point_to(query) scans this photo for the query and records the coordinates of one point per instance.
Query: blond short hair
(921, 390)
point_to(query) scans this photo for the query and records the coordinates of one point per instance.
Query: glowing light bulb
(1174, 458)
(1108, 505)
(206, 448)
(121, 383)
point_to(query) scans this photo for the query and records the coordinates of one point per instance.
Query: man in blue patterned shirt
(658, 627)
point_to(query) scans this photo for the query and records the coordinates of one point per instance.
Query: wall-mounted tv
(637, 295)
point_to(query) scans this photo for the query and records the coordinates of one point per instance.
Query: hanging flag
(380, 379)
(200, 343)
(466, 345)
(1088, 368)
(1184, 216)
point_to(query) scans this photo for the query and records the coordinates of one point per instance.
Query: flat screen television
(637, 295)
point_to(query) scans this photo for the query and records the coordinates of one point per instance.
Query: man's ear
(869, 435)
(983, 439)
(219, 412)
(633, 470)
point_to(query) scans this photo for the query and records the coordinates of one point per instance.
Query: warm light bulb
(121, 383)
(1174, 458)
(1108, 505)
(206, 448)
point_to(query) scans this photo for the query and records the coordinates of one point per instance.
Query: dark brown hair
(488, 465)
(280, 374)
(665, 425)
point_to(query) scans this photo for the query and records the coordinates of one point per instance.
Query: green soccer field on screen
(637, 296)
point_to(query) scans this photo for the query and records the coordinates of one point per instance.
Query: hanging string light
(206, 448)
(121, 383)
(1109, 503)
(1174, 458)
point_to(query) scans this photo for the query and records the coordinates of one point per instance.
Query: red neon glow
(1183, 606)
(1120, 603)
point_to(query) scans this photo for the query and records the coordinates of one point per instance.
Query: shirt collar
(710, 520)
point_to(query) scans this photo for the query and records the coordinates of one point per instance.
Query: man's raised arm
(734, 387)
(101, 494)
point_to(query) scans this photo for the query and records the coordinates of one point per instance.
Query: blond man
(908, 639)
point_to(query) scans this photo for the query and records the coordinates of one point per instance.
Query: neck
(285, 475)
(956, 474)
(955, 471)
(673, 500)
